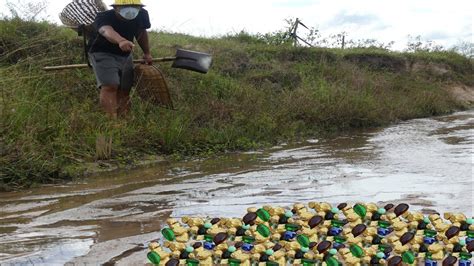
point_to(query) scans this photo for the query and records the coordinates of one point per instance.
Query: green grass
(254, 96)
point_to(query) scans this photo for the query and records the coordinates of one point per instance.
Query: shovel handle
(138, 61)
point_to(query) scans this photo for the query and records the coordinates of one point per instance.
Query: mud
(426, 163)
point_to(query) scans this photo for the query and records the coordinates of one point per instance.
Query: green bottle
(248, 239)
(292, 227)
(384, 224)
(263, 214)
(408, 257)
(430, 233)
(337, 223)
(470, 234)
(154, 258)
(465, 255)
(308, 262)
(192, 262)
(340, 239)
(234, 262)
(263, 230)
(168, 234)
(303, 240)
(208, 238)
(356, 251)
(331, 261)
(360, 210)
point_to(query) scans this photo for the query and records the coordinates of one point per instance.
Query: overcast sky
(444, 22)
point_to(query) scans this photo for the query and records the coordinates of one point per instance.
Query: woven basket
(81, 12)
(151, 86)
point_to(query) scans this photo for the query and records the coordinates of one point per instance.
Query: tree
(465, 48)
(27, 10)
(416, 44)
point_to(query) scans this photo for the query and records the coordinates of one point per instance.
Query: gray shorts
(111, 69)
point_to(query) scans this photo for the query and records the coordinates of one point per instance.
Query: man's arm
(112, 36)
(144, 43)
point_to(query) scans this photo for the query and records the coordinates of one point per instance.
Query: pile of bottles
(318, 234)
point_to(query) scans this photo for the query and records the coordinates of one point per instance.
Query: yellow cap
(128, 3)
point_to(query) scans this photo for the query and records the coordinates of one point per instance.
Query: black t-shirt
(129, 29)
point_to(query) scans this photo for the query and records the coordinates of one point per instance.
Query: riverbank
(256, 95)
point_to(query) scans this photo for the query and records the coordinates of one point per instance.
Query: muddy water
(427, 163)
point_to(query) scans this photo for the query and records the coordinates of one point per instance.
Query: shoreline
(92, 169)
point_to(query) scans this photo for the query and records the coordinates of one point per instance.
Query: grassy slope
(255, 95)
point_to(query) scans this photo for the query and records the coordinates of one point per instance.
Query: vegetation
(257, 94)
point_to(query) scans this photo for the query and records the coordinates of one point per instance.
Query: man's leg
(124, 103)
(126, 83)
(109, 100)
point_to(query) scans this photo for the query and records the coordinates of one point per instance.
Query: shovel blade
(194, 61)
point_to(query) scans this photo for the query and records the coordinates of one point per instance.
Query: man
(111, 52)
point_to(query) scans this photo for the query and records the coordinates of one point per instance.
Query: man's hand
(126, 46)
(148, 59)
(112, 36)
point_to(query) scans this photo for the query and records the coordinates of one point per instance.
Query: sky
(445, 22)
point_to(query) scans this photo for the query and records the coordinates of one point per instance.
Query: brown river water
(427, 163)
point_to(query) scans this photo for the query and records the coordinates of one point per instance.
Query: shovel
(184, 59)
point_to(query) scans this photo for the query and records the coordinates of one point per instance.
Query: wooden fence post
(295, 30)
